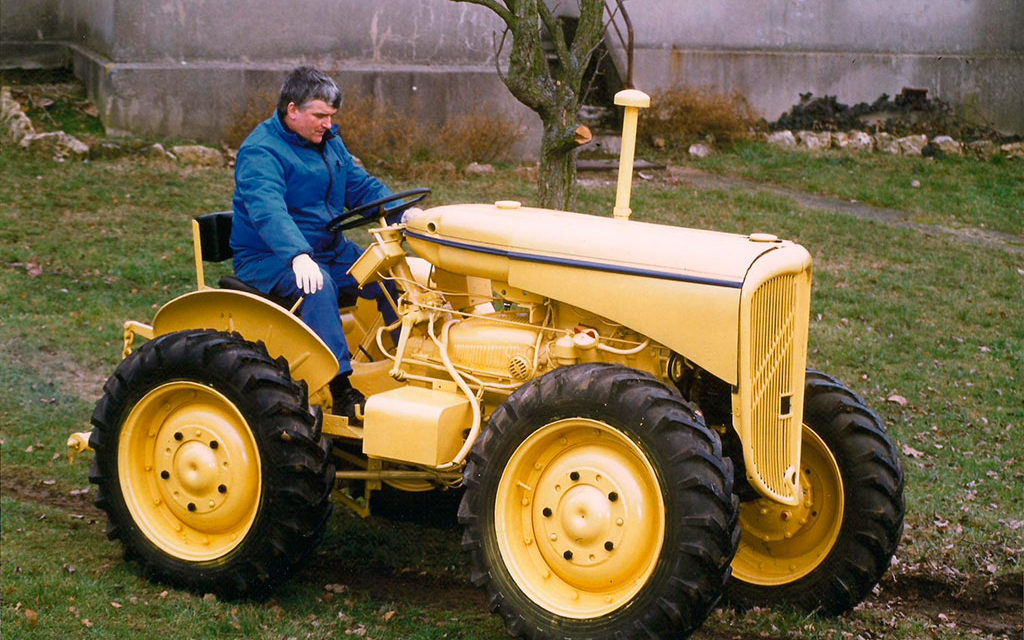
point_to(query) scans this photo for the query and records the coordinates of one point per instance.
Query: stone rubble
(886, 143)
(1013, 150)
(699, 150)
(814, 140)
(784, 139)
(882, 142)
(477, 169)
(57, 143)
(912, 145)
(12, 117)
(948, 145)
(198, 155)
(984, 149)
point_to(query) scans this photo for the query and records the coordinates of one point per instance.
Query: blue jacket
(286, 191)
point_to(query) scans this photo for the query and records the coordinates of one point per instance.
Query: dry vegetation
(386, 138)
(684, 115)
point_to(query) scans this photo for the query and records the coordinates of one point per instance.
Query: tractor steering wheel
(362, 214)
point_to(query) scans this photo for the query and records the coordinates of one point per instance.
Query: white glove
(410, 213)
(308, 276)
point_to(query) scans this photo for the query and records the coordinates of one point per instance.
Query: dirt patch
(989, 606)
(49, 364)
(992, 606)
(410, 588)
(21, 484)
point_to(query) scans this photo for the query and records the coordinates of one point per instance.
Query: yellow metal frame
(257, 320)
(197, 249)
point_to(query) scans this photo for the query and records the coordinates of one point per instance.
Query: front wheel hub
(779, 543)
(189, 469)
(580, 517)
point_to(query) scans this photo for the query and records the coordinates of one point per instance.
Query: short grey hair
(305, 84)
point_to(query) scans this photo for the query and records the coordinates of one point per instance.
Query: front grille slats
(772, 350)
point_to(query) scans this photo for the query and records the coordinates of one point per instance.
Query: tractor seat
(215, 246)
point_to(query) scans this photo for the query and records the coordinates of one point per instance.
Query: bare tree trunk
(556, 181)
(553, 91)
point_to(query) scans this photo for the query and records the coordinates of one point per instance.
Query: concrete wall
(186, 68)
(967, 52)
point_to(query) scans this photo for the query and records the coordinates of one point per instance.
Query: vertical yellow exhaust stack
(633, 101)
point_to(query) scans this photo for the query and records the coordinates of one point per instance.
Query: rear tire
(598, 505)
(210, 465)
(828, 553)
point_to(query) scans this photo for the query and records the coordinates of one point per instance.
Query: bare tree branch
(554, 27)
(590, 29)
(496, 7)
(551, 90)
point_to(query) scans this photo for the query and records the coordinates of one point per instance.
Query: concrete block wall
(969, 53)
(186, 68)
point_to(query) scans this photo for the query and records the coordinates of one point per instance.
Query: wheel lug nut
(191, 506)
(222, 488)
(165, 475)
(214, 444)
(613, 496)
(567, 555)
(609, 545)
(546, 512)
(574, 476)
(178, 436)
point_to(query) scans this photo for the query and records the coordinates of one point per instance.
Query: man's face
(311, 121)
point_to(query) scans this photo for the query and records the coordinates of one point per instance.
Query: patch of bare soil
(410, 588)
(990, 607)
(49, 363)
(21, 484)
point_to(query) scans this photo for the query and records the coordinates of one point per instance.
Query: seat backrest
(215, 235)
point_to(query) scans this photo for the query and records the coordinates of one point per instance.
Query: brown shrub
(257, 109)
(383, 136)
(684, 115)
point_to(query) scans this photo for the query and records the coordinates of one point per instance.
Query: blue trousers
(320, 310)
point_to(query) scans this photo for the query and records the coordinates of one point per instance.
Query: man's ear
(292, 110)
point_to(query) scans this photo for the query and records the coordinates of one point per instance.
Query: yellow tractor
(625, 406)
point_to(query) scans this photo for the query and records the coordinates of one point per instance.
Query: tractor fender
(257, 320)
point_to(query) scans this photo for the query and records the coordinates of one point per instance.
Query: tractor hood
(681, 287)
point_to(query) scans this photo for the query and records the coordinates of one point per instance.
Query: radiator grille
(773, 328)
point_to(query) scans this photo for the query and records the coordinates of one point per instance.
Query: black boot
(345, 398)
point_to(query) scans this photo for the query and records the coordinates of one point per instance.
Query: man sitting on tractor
(293, 176)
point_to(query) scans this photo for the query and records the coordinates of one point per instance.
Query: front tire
(598, 505)
(210, 465)
(828, 553)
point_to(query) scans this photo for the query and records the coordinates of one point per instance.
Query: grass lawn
(930, 331)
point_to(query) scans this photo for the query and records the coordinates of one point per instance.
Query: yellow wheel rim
(579, 518)
(189, 470)
(779, 543)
